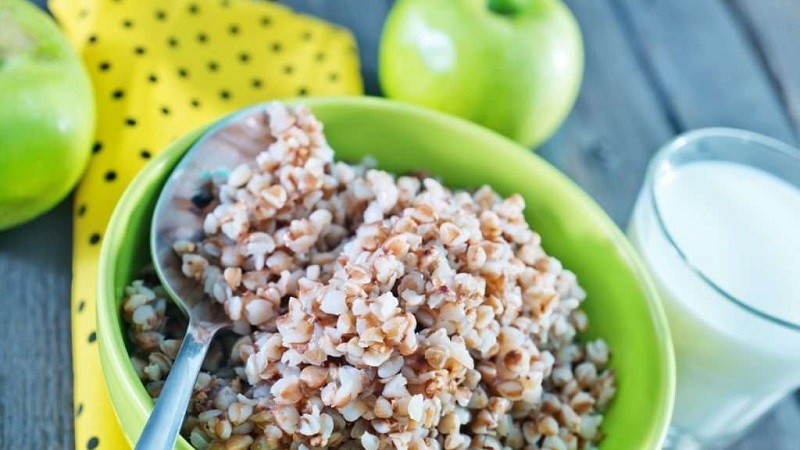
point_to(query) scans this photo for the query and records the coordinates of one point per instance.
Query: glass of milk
(718, 224)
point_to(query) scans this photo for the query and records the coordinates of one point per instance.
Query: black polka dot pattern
(160, 71)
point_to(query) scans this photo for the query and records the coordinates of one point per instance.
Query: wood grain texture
(773, 26)
(775, 431)
(653, 68)
(36, 372)
(627, 108)
(618, 121)
(700, 60)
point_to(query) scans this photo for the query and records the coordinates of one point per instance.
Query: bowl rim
(114, 357)
(115, 361)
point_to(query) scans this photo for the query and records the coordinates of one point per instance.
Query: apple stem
(508, 7)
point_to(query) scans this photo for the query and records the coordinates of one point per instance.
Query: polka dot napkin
(160, 69)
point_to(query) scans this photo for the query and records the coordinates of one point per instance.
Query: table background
(654, 68)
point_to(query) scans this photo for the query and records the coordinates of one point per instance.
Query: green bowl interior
(622, 306)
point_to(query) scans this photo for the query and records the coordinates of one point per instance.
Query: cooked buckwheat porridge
(373, 311)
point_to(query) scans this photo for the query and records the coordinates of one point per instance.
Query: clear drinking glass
(737, 354)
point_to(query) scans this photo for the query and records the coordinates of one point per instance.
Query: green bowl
(622, 305)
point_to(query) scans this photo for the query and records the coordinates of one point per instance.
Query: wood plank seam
(639, 52)
(752, 37)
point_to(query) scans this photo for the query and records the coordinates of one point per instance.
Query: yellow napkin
(161, 68)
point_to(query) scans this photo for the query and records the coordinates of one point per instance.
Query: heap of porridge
(373, 311)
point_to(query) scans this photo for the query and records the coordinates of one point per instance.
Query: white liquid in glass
(740, 227)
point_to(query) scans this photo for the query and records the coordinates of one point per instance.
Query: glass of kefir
(718, 224)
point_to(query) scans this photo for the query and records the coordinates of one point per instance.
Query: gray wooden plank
(776, 431)
(364, 18)
(708, 72)
(596, 140)
(774, 28)
(703, 63)
(617, 122)
(36, 373)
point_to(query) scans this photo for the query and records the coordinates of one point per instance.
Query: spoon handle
(164, 424)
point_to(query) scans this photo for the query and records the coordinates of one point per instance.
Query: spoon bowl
(179, 215)
(180, 209)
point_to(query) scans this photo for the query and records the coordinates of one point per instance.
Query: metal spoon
(178, 216)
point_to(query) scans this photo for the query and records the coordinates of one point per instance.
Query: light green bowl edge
(132, 409)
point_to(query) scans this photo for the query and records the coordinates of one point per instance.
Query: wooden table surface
(654, 68)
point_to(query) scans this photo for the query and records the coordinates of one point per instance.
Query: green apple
(46, 113)
(512, 65)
